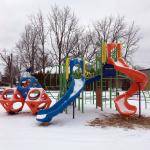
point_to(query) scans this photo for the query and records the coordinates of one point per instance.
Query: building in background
(147, 71)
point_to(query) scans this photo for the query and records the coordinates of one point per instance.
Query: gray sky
(14, 15)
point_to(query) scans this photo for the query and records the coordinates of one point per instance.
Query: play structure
(108, 67)
(139, 81)
(28, 91)
(78, 83)
(74, 90)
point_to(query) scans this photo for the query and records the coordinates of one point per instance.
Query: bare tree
(86, 46)
(39, 23)
(118, 29)
(63, 32)
(28, 46)
(7, 60)
(42, 44)
(18, 66)
(131, 40)
(112, 29)
(103, 29)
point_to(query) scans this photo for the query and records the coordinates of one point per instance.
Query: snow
(17, 105)
(123, 107)
(78, 85)
(75, 68)
(41, 116)
(118, 63)
(52, 70)
(23, 132)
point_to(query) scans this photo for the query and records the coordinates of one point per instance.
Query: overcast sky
(14, 15)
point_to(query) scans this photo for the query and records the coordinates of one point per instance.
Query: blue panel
(23, 91)
(29, 69)
(76, 61)
(33, 84)
(109, 71)
(95, 78)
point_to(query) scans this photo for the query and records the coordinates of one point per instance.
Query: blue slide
(72, 93)
(76, 87)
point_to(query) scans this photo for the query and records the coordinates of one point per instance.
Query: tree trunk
(43, 64)
(11, 71)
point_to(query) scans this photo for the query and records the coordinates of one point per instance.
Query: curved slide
(139, 78)
(72, 93)
(76, 87)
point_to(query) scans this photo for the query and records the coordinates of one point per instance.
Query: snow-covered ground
(23, 132)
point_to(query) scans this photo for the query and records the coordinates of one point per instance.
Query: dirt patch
(122, 122)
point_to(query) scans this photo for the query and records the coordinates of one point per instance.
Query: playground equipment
(110, 68)
(77, 76)
(139, 79)
(9, 99)
(76, 86)
(37, 99)
(73, 92)
(29, 91)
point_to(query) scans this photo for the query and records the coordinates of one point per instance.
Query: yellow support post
(84, 67)
(67, 68)
(104, 52)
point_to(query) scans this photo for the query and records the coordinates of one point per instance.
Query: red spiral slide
(138, 78)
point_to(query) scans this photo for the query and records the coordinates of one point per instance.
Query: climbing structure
(28, 91)
(9, 98)
(73, 92)
(110, 69)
